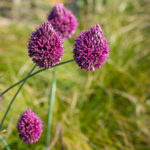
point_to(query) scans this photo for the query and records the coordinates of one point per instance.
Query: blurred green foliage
(108, 109)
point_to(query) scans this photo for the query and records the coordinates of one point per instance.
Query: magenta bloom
(45, 46)
(29, 127)
(91, 48)
(63, 21)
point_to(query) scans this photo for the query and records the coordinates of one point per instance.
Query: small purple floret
(91, 48)
(29, 127)
(63, 21)
(45, 46)
(0, 99)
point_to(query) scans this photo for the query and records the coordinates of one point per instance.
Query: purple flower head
(63, 21)
(0, 99)
(45, 46)
(29, 127)
(91, 48)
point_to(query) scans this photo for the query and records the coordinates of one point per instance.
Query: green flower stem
(5, 143)
(29, 76)
(51, 103)
(13, 99)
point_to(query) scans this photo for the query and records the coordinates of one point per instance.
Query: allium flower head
(45, 46)
(63, 21)
(29, 127)
(91, 48)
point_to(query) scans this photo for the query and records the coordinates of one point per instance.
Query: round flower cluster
(63, 21)
(91, 48)
(29, 127)
(45, 46)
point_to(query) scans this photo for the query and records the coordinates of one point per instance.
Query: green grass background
(108, 109)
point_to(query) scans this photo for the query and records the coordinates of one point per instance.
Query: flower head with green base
(91, 48)
(63, 21)
(29, 127)
(45, 46)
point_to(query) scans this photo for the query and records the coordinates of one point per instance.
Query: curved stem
(33, 75)
(51, 103)
(13, 99)
(4, 142)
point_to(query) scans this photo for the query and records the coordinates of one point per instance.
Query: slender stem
(94, 5)
(56, 136)
(61, 141)
(51, 103)
(65, 62)
(13, 99)
(5, 143)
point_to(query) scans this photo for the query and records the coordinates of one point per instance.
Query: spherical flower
(45, 46)
(63, 21)
(29, 127)
(91, 48)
